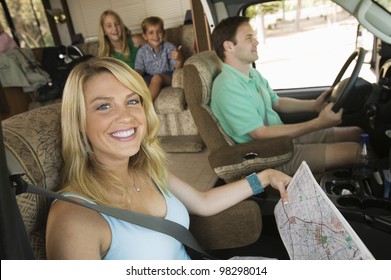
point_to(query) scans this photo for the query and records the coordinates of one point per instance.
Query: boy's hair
(151, 21)
(226, 30)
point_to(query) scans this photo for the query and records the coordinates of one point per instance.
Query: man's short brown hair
(226, 30)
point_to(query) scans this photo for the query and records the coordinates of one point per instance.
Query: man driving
(247, 107)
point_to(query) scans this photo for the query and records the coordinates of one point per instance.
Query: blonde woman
(112, 157)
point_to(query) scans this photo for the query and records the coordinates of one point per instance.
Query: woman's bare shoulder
(74, 215)
(74, 231)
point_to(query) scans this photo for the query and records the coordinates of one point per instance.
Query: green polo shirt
(132, 54)
(238, 105)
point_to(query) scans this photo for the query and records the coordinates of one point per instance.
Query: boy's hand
(177, 55)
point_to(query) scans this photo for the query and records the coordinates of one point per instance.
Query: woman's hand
(278, 180)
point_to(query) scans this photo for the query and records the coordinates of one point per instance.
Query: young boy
(157, 59)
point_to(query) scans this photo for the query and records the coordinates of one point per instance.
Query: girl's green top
(132, 54)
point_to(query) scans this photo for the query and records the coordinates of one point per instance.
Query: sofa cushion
(177, 124)
(170, 100)
(182, 143)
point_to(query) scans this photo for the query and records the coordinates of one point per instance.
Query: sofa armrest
(231, 162)
(177, 78)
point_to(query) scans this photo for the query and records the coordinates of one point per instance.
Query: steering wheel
(340, 90)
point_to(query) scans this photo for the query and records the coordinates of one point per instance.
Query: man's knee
(341, 154)
(347, 134)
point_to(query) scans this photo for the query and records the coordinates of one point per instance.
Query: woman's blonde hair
(105, 47)
(82, 172)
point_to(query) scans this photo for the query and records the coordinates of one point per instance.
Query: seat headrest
(208, 65)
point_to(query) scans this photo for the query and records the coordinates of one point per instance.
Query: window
(30, 22)
(385, 4)
(304, 43)
(3, 22)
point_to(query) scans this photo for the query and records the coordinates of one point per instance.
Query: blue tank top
(132, 242)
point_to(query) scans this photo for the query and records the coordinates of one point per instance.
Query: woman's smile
(124, 134)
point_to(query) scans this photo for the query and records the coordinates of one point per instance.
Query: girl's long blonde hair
(82, 172)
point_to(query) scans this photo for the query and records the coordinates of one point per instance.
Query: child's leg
(157, 82)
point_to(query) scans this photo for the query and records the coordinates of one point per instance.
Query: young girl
(115, 39)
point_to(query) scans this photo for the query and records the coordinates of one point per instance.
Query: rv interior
(305, 47)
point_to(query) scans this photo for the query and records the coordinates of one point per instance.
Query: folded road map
(310, 225)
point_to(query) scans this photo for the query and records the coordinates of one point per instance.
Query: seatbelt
(266, 119)
(168, 227)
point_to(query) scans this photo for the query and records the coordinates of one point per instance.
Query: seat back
(34, 139)
(182, 35)
(199, 72)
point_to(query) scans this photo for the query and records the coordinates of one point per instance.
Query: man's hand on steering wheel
(322, 101)
(328, 118)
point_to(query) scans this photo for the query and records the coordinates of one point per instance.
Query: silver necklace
(137, 188)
